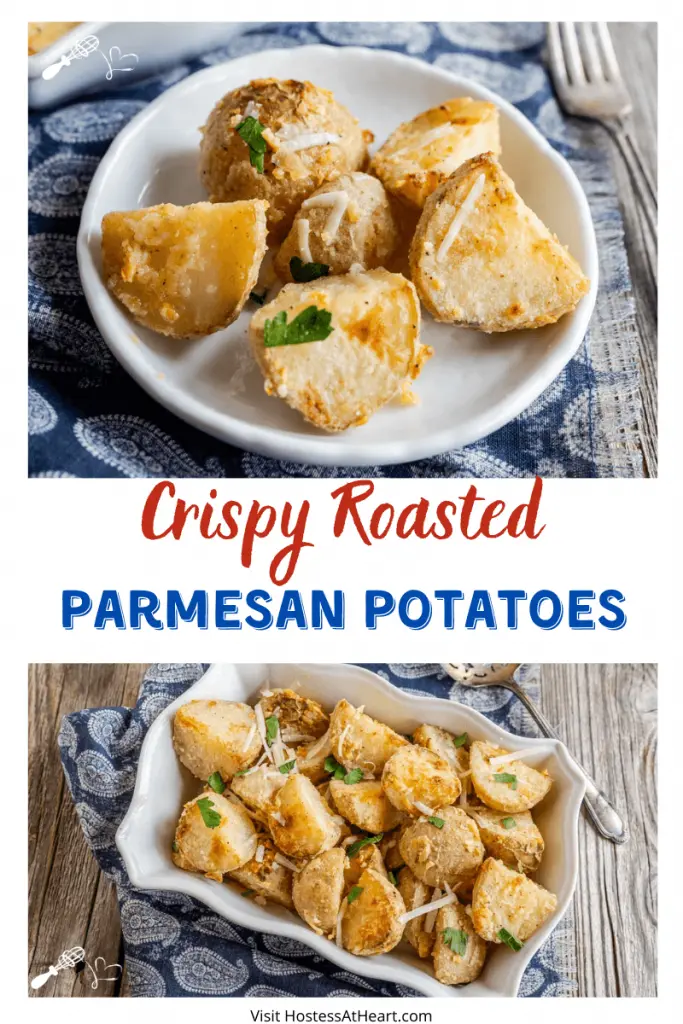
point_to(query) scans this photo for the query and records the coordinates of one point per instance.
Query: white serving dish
(144, 837)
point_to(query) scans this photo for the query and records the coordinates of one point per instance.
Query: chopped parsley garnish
(355, 893)
(312, 324)
(509, 940)
(174, 846)
(437, 822)
(303, 272)
(456, 939)
(461, 740)
(251, 131)
(508, 822)
(356, 847)
(272, 726)
(392, 878)
(355, 775)
(338, 771)
(286, 767)
(248, 892)
(410, 739)
(257, 298)
(215, 782)
(511, 780)
(211, 818)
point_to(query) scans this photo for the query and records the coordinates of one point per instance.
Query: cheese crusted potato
(453, 968)
(309, 138)
(317, 891)
(516, 840)
(421, 154)
(506, 899)
(389, 848)
(301, 718)
(441, 742)
(414, 775)
(218, 847)
(310, 758)
(300, 821)
(366, 858)
(257, 789)
(481, 258)
(415, 894)
(345, 223)
(512, 786)
(365, 805)
(372, 922)
(266, 877)
(372, 354)
(451, 854)
(359, 741)
(184, 271)
(216, 736)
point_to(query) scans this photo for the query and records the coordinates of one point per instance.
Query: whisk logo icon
(83, 48)
(74, 957)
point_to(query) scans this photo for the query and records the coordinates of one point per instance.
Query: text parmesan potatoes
(338, 348)
(184, 271)
(388, 850)
(481, 258)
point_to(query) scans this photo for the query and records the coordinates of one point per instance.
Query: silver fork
(588, 83)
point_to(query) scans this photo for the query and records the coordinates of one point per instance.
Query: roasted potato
(265, 876)
(391, 853)
(214, 835)
(365, 805)
(481, 258)
(359, 741)
(516, 840)
(216, 736)
(371, 354)
(300, 821)
(421, 154)
(512, 786)
(346, 223)
(372, 920)
(441, 742)
(257, 789)
(310, 758)
(301, 718)
(308, 139)
(454, 927)
(505, 899)
(415, 894)
(356, 863)
(414, 779)
(184, 271)
(450, 854)
(318, 890)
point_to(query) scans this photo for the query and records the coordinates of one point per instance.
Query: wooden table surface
(606, 713)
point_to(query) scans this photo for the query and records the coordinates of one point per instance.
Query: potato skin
(450, 968)
(415, 894)
(209, 736)
(283, 106)
(307, 827)
(359, 741)
(414, 774)
(503, 898)
(214, 851)
(371, 924)
(452, 854)
(317, 891)
(296, 713)
(267, 878)
(184, 271)
(365, 805)
(532, 785)
(519, 847)
(440, 742)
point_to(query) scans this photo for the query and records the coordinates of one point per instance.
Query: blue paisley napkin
(174, 945)
(88, 418)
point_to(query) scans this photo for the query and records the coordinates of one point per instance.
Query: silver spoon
(607, 821)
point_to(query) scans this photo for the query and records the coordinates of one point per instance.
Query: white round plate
(474, 383)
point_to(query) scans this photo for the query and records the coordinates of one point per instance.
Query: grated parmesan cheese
(304, 236)
(430, 919)
(260, 853)
(249, 738)
(513, 755)
(293, 140)
(461, 216)
(278, 818)
(317, 746)
(445, 901)
(285, 862)
(261, 726)
(252, 110)
(422, 808)
(338, 201)
(426, 140)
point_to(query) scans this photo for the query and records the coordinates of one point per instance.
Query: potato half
(481, 258)
(300, 821)
(506, 899)
(512, 786)
(365, 805)
(372, 353)
(318, 890)
(360, 741)
(184, 271)
(441, 742)
(216, 736)
(266, 876)
(414, 776)
(214, 835)
(420, 154)
(372, 921)
(516, 840)
(452, 967)
(450, 854)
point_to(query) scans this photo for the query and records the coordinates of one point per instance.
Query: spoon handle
(606, 819)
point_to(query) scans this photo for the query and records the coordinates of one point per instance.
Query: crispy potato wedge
(421, 154)
(257, 789)
(516, 841)
(216, 847)
(453, 968)
(300, 821)
(481, 258)
(451, 854)
(441, 742)
(414, 775)
(372, 922)
(359, 741)
(415, 894)
(266, 877)
(506, 899)
(365, 805)
(372, 354)
(318, 890)
(213, 736)
(184, 271)
(528, 788)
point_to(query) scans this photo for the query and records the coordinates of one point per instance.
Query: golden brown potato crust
(452, 968)
(415, 775)
(267, 877)
(318, 890)
(518, 843)
(365, 805)
(530, 785)
(214, 850)
(451, 854)
(211, 736)
(503, 898)
(371, 923)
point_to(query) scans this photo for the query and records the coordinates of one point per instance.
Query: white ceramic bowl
(163, 785)
(474, 383)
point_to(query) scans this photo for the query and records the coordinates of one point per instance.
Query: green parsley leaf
(509, 940)
(355, 775)
(461, 740)
(355, 893)
(508, 822)
(392, 878)
(251, 131)
(312, 324)
(437, 822)
(215, 782)
(506, 777)
(356, 847)
(257, 298)
(211, 818)
(174, 846)
(286, 767)
(410, 739)
(248, 892)
(272, 726)
(303, 272)
(338, 771)
(456, 939)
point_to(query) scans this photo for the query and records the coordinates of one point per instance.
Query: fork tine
(572, 53)
(591, 52)
(609, 57)
(557, 64)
